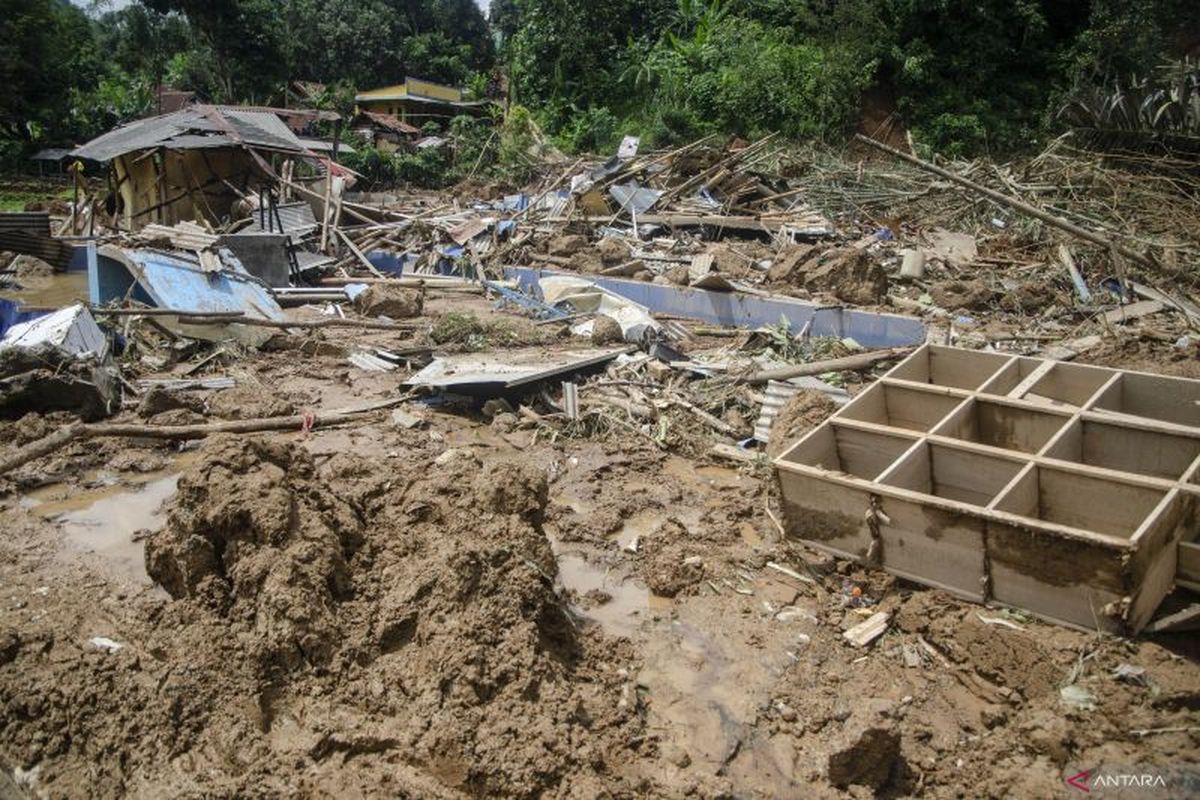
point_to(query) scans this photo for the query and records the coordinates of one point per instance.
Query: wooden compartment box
(1063, 489)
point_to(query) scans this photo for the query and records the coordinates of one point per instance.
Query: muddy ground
(471, 608)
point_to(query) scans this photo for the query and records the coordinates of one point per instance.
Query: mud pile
(407, 622)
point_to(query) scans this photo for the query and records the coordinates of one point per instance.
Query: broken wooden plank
(868, 630)
(359, 254)
(1142, 308)
(844, 364)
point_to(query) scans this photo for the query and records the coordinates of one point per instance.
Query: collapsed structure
(650, 457)
(196, 163)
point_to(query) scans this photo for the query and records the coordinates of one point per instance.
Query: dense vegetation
(964, 76)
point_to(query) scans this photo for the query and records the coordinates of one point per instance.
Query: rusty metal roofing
(194, 128)
(390, 122)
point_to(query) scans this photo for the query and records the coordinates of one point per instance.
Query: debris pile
(488, 505)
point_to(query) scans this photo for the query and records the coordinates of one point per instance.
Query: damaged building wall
(170, 186)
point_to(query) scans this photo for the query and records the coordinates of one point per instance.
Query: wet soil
(464, 609)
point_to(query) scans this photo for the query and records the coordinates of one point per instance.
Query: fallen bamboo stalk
(844, 364)
(1014, 203)
(362, 324)
(429, 282)
(96, 430)
(358, 253)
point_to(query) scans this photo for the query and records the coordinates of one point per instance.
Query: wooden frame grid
(1063, 489)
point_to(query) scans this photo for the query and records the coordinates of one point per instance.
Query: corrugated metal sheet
(483, 374)
(34, 222)
(171, 280)
(779, 392)
(633, 197)
(194, 128)
(28, 233)
(296, 218)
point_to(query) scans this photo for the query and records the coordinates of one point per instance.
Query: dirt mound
(804, 411)
(848, 274)
(422, 607)
(251, 528)
(249, 402)
(972, 295)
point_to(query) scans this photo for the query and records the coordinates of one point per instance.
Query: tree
(46, 47)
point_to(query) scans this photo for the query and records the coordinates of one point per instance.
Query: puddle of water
(630, 599)
(639, 526)
(101, 521)
(710, 476)
(50, 291)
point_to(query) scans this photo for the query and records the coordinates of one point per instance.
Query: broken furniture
(1063, 489)
(180, 282)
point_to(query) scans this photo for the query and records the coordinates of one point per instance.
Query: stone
(393, 302)
(606, 330)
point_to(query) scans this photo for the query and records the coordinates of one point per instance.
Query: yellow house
(416, 101)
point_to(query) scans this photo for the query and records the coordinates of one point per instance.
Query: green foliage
(45, 49)
(965, 77)
(594, 130)
(117, 98)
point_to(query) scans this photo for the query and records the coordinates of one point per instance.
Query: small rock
(403, 419)
(106, 644)
(677, 756)
(448, 456)
(394, 302)
(606, 330)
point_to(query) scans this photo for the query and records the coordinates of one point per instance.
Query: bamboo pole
(1014, 203)
(80, 430)
(844, 364)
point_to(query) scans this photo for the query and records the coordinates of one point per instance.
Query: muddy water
(101, 522)
(582, 570)
(49, 291)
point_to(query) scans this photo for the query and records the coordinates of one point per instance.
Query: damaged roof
(389, 122)
(194, 128)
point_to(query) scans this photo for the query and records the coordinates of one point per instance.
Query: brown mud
(471, 609)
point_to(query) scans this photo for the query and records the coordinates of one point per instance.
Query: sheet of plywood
(1059, 578)
(934, 545)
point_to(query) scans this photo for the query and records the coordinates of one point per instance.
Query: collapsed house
(194, 164)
